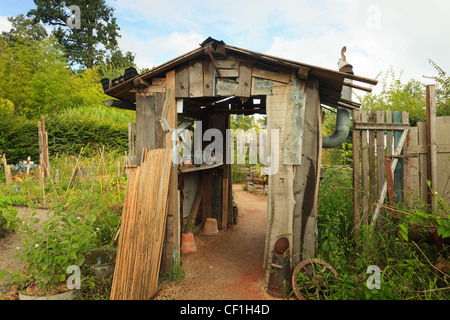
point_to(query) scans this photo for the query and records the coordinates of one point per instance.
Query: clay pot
(188, 243)
(210, 227)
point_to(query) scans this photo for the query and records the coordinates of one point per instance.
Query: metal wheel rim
(302, 265)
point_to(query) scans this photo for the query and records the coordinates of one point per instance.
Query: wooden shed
(209, 84)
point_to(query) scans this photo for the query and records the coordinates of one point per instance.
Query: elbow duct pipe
(342, 115)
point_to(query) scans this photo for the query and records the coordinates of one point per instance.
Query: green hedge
(19, 137)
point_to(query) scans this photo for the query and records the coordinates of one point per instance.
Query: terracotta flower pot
(210, 227)
(188, 243)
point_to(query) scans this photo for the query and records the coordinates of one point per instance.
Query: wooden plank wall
(227, 76)
(417, 168)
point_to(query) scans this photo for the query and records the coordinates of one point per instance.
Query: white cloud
(378, 34)
(5, 25)
(156, 50)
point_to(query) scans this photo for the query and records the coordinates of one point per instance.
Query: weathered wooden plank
(440, 148)
(398, 178)
(208, 78)
(227, 64)
(381, 126)
(244, 80)
(380, 153)
(389, 133)
(196, 79)
(172, 241)
(364, 171)
(182, 81)
(412, 191)
(423, 167)
(406, 181)
(229, 73)
(431, 143)
(372, 171)
(160, 136)
(145, 125)
(148, 90)
(356, 140)
(283, 77)
(443, 157)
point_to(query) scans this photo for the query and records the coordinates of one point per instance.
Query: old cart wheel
(313, 277)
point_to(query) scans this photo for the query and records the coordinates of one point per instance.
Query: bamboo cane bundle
(142, 229)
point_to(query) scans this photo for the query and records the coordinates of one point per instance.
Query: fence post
(398, 169)
(431, 144)
(356, 173)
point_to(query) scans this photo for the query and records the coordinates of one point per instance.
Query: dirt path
(228, 266)
(9, 244)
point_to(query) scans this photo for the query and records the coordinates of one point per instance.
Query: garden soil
(227, 266)
(9, 246)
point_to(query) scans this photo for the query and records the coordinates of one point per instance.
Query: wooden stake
(431, 145)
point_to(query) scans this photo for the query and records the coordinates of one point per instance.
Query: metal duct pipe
(343, 115)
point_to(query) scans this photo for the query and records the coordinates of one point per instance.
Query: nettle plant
(422, 218)
(50, 247)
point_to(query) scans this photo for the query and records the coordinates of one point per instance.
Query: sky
(378, 34)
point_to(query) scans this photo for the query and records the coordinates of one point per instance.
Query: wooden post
(373, 181)
(7, 170)
(380, 154)
(356, 173)
(431, 145)
(364, 170)
(398, 173)
(171, 250)
(45, 149)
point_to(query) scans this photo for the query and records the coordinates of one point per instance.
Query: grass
(406, 267)
(99, 192)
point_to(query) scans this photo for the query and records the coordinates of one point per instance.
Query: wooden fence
(393, 162)
(377, 136)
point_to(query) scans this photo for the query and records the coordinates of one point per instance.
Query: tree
(97, 35)
(398, 96)
(240, 121)
(24, 29)
(35, 79)
(442, 90)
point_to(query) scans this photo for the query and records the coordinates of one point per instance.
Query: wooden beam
(283, 77)
(148, 90)
(172, 241)
(244, 80)
(380, 126)
(141, 83)
(350, 84)
(303, 73)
